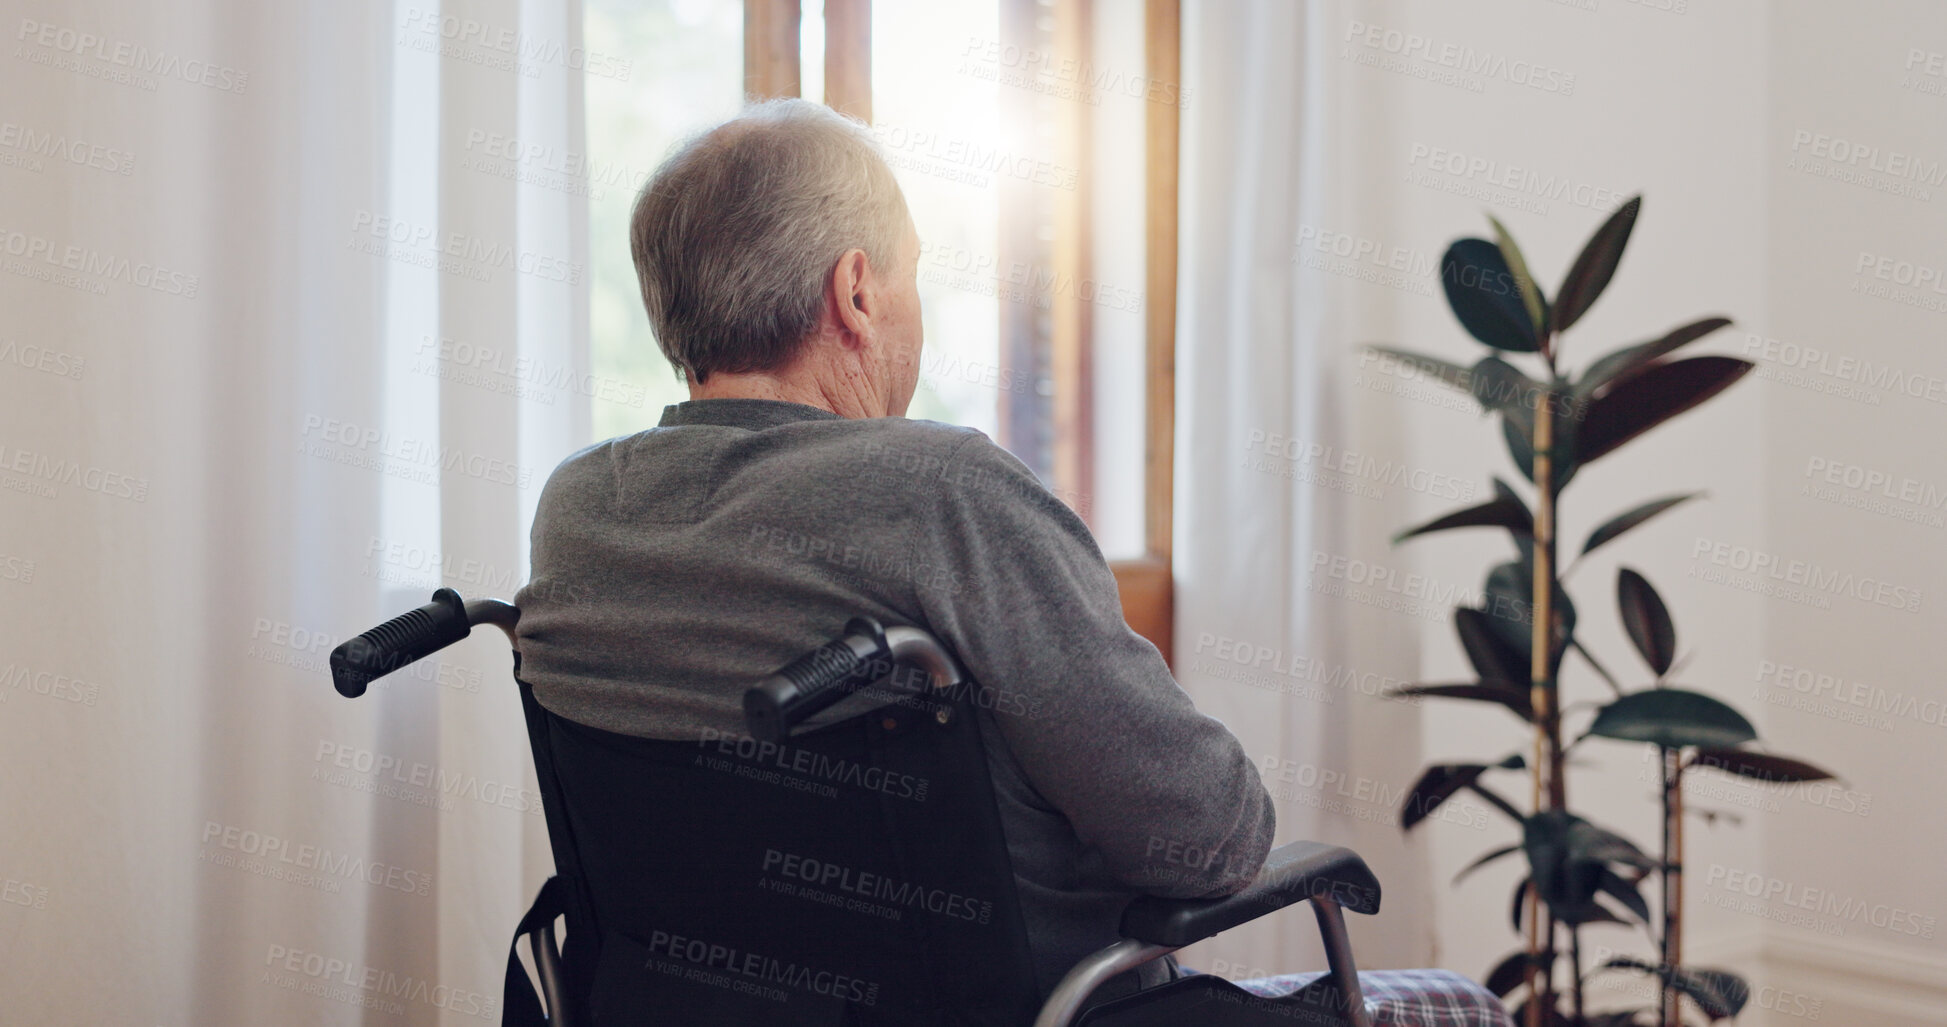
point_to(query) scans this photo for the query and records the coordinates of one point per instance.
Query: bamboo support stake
(1541, 646)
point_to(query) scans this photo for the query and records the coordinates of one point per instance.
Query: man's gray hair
(735, 236)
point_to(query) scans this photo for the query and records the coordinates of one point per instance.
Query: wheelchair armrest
(1292, 873)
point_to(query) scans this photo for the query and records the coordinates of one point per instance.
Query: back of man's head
(735, 236)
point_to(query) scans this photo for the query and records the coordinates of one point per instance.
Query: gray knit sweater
(675, 567)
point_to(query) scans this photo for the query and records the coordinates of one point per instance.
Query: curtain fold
(1266, 517)
(297, 337)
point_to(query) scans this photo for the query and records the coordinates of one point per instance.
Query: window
(1036, 144)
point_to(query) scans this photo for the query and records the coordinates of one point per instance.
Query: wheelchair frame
(1332, 879)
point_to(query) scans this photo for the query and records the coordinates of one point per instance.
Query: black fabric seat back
(855, 875)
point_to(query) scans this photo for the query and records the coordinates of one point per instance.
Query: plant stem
(1599, 668)
(1575, 957)
(1669, 1004)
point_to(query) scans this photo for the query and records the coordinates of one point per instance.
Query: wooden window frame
(772, 69)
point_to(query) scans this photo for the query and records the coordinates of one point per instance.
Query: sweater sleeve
(1088, 708)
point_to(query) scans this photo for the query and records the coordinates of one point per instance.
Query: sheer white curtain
(1271, 507)
(293, 328)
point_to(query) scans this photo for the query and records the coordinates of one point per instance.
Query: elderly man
(778, 265)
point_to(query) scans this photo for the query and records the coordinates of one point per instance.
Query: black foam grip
(410, 636)
(814, 681)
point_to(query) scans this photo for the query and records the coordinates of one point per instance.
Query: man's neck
(845, 395)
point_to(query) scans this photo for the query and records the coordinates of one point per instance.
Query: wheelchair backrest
(856, 874)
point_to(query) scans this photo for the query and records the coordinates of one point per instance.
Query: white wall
(1697, 109)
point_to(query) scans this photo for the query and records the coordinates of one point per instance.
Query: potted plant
(1555, 425)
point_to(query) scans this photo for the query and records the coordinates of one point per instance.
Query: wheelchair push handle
(816, 680)
(410, 636)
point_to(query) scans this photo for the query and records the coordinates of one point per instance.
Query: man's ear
(851, 298)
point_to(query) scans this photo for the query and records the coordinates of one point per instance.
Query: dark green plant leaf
(1438, 784)
(1649, 397)
(1647, 619)
(1601, 845)
(1625, 891)
(1500, 512)
(1446, 372)
(1514, 697)
(1629, 359)
(1719, 993)
(1520, 903)
(1631, 518)
(1485, 296)
(1518, 428)
(1759, 765)
(1674, 718)
(1524, 281)
(1485, 860)
(1512, 972)
(1597, 264)
(1510, 613)
(1563, 882)
(1500, 386)
(1493, 659)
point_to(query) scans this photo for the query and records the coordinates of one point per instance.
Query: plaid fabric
(1404, 998)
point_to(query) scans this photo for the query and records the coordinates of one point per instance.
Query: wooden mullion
(848, 57)
(771, 68)
(1072, 360)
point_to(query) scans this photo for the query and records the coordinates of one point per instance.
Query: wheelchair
(848, 873)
